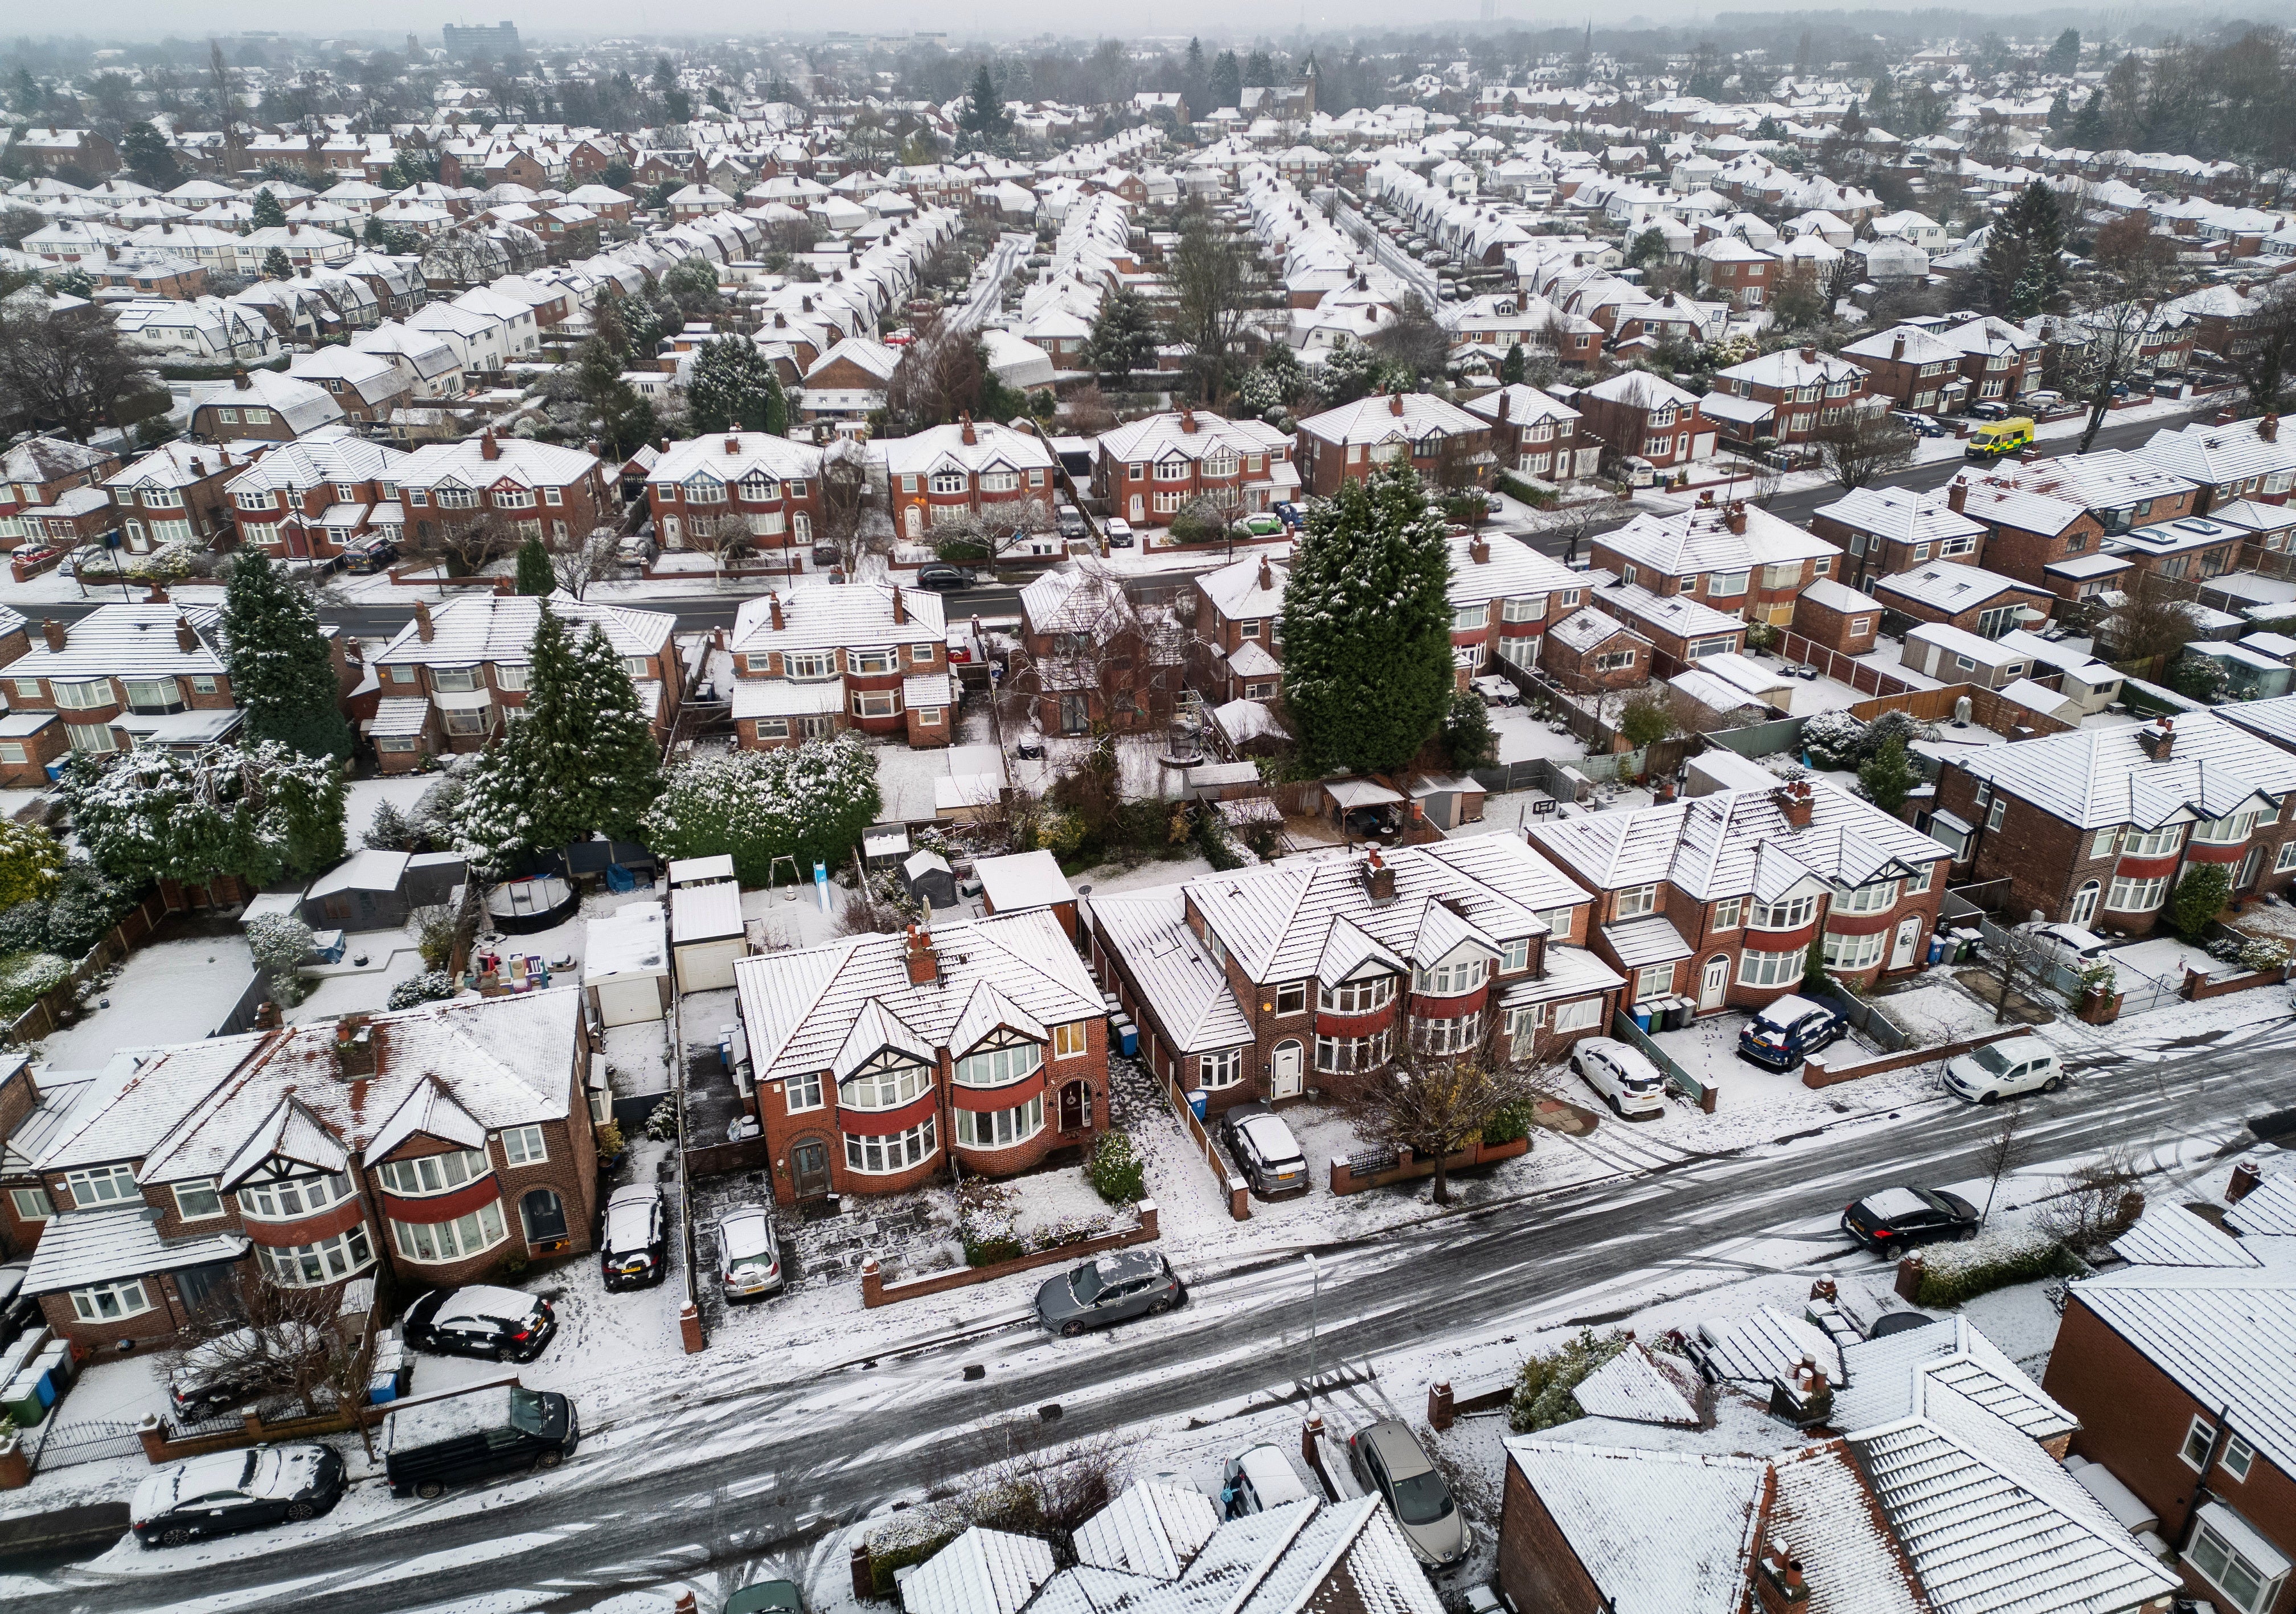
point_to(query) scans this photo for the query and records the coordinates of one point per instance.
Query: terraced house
(1321, 967)
(1719, 898)
(433, 1141)
(1151, 470)
(823, 657)
(877, 1062)
(746, 488)
(451, 677)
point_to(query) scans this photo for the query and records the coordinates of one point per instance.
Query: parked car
(218, 1374)
(227, 1491)
(2067, 945)
(1264, 524)
(766, 1597)
(1788, 1032)
(87, 560)
(749, 1260)
(635, 1251)
(1637, 471)
(1989, 411)
(370, 558)
(1627, 1080)
(1119, 531)
(1386, 1458)
(2007, 1069)
(1920, 425)
(1287, 512)
(943, 576)
(2044, 399)
(1265, 1150)
(1897, 1218)
(480, 1321)
(1257, 1478)
(428, 1446)
(1070, 522)
(1111, 1288)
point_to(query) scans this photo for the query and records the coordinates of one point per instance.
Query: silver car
(749, 1261)
(1386, 1458)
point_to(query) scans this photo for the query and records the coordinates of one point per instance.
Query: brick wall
(1537, 1569)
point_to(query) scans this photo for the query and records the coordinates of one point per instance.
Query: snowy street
(747, 1457)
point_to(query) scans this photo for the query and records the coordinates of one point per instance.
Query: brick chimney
(1505, 404)
(2268, 429)
(900, 608)
(158, 596)
(239, 380)
(1266, 575)
(488, 449)
(55, 633)
(1188, 421)
(1736, 519)
(966, 432)
(2245, 1178)
(1379, 880)
(1779, 1587)
(1809, 355)
(1957, 496)
(354, 1047)
(924, 963)
(1478, 550)
(1898, 346)
(423, 625)
(199, 468)
(186, 640)
(733, 443)
(1395, 403)
(2158, 738)
(1797, 802)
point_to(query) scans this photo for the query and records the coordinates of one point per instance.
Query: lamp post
(1314, 1312)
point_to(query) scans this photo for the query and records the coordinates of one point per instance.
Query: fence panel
(1868, 1017)
(64, 1445)
(1623, 1028)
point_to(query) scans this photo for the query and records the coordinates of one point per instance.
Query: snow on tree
(734, 389)
(1830, 739)
(489, 822)
(31, 863)
(811, 803)
(1368, 624)
(281, 674)
(256, 813)
(279, 943)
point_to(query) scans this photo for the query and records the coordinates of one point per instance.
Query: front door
(1712, 983)
(809, 1165)
(2084, 908)
(2250, 866)
(1909, 935)
(1283, 1076)
(544, 1214)
(1139, 510)
(1073, 1111)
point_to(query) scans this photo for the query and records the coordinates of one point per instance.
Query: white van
(2009, 1069)
(1257, 1478)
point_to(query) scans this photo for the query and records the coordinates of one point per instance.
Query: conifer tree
(584, 746)
(1368, 624)
(267, 214)
(534, 573)
(1512, 367)
(734, 389)
(281, 674)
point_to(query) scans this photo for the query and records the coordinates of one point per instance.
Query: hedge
(1994, 1260)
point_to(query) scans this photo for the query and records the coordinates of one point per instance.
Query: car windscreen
(1085, 1283)
(1423, 1499)
(1990, 1058)
(526, 1411)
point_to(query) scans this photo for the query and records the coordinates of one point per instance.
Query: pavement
(729, 1474)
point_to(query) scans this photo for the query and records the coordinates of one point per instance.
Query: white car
(2067, 945)
(1257, 1478)
(2008, 1069)
(1622, 1074)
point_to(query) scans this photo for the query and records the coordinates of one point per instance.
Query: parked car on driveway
(2007, 1069)
(634, 1252)
(1265, 1150)
(1627, 1080)
(749, 1260)
(370, 558)
(2066, 945)
(1789, 1031)
(1257, 1478)
(240, 1490)
(1111, 1288)
(1989, 411)
(1287, 512)
(1898, 1219)
(1387, 1458)
(480, 1321)
(1920, 425)
(1119, 531)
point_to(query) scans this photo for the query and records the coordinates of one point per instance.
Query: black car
(1111, 1288)
(943, 576)
(480, 1321)
(370, 559)
(1788, 1031)
(634, 1252)
(227, 1491)
(1898, 1218)
(1264, 1151)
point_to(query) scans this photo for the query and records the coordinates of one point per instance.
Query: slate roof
(1659, 1532)
(2096, 778)
(831, 616)
(1902, 514)
(1950, 586)
(1376, 420)
(78, 1247)
(1699, 540)
(473, 627)
(130, 640)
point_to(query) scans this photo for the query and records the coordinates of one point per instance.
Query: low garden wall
(1818, 1071)
(876, 1291)
(2198, 986)
(1238, 1191)
(162, 1444)
(1354, 1174)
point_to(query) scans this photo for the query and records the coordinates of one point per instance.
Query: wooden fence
(60, 1001)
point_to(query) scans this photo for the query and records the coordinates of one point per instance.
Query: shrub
(988, 1246)
(1994, 1260)
(608, 1136)
(430, 986)
(1830, 739)
(1116, 1171)
(2097, 975)
(1509, 1123)
(2201, 895)
(26, 976)
(2263, 953)
(1646, 718)
(662, 1124)
(1542, 1389)
(281, 942)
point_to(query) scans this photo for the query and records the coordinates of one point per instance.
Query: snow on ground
(1939, 1010)
(363, 796)
(1521, 735)
(636, 1057)
(1155, 871)
(352, 987)
(2270, 917)
(2163, 958)
(791, 915)
(170, 991)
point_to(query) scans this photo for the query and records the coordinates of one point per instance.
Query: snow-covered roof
(1153, 1529)
(1707, 539)
(982, 1571)
(1950, 586)
(1247, 590)
(1507, 568)
(78, 1247)
(1657, 1532)
(817, 615)
(1641, 1386)
(1881, 1376)
(474, 628)
(130, 640)
(1906, 514)
(1023, 880)
(2099, 778)
(1408, 416)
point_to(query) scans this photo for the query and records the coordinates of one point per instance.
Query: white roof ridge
(1350, 1529)
(1251, 1583)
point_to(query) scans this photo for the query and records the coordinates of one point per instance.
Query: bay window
(2235, 1559)
(895, 1151)
(1770, 968)
(84, 696)
(1342, 1055)
(307, 1266)
(886, 1088)
(1853, 951)
(1356, 997)
(801, 666)
(1000, 1128)
(867, 663)
(110, 1302)
(288, 1198)
(1868, 899)
(1454, 1035)
(999, 1067)
(1788, 915)
(467, 1235)
(2126, 896)
(2153, 843)
(1221, 1069)
(432, 1174)
(1451, 977)
(2229, 830)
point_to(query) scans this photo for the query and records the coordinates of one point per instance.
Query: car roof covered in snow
(1270, 1136)
(483, 1300)
(1895, 1203)
(745, 1231)
(420, 1423)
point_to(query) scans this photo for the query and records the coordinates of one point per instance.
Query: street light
(1315, 1311)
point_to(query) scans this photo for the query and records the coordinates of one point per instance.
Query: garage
(625, 967)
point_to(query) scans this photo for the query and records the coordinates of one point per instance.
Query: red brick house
(1503, 595)
(438, 1141)
(765, 488)
(1736, 558)
(537, 489)
(1319, 967)
(38, 472)
(1150, 470)
(319, 496)
(1836, 616)
(1590, 653)
(1734, 272)
(1802, 390)
(151, 672)
(1719, 896)
(1436, 438)
(1910, 367)
(2120, 488)
(2233, 460)
(1887, 530)
(2000, 361)
(824, 656)
(177, 493)
(1966, 597)
(1642, 417)
(968, 470)
(2096, 827)
(879, 1061)
(1536, 433)
(1092, 656)
(1239, 629)
(2038, 538)
(264, 406)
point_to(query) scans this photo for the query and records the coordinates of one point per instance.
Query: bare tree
(284, 1344)
(2003, 1153)
(69, 371)
(1434, 1102)
(940, 375)
(577, 561)
(843, 517)
(1862, 446)
(2101, 1202)
(725, 539)
(2266, 352)
(1215, 287)
(465, 544)
(2112, 350)
(2150, 624)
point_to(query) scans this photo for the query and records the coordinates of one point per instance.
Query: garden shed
(927, 877)
(376, 890)
(705, 933)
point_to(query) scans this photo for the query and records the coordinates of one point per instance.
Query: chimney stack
(158, 596)
(1379, 879)
(488, 449)
(1898, 346)
(1188, 421)
(354, 1047)
(1395, 403)
(55, 633)
(1797, 801)
(199, 467)
(924, 963)
(967, 434)
(900, 608)
(266, 1016)
(1266, 575)
(1809, 355)
(2158, 738)
(1957, 496)
(733, 443)
(423, 629)
(2245, 1178)
(1478, 550)
(239, 380)
(186, 640)
(1505, 403)
(2268, 429)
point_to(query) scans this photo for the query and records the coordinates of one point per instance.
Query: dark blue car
(1788, 1032)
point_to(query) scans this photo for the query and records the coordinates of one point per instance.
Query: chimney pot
(2245, 1178)
(423, 628)
(1478, 550)
(1898, 346)
(900, 608)
(2268, 429)
(55, 633)
(924, 963)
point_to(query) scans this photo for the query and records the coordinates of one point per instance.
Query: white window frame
(1368, 996)
(999, 1067)
(802, 1092)
(1636, 901)
(1855, 950)
(1001, 1128)
(2126, 895)
(1771, 968)
(1726, 913)
(32, 1204)
(885, 1089)
(916, 1146)
(1580, 1014)
(1654, 980)
(197, 1201)
(1072, 1039)
(1790, 914)
(524, 1145)
(326, 1261)
(1224, 1068)
(457, 1239)
(433, 1174)
(128, 1296)
(99, 1185)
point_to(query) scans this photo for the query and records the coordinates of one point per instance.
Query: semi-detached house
(1434, 436)
(1736, 559)
(319, 496)
(150, 673)
(1887, 530)
(1719, 898)
(178, 494)
(1788, 395)
(1151, 470)
(824, 656)
(2096, 827)
(1537, 433)
(968, 470)
(1321, 967)
(533, 489)
(750, 487)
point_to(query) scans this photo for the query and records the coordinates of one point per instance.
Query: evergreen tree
(1514, 366)
(255, 814)
(2089, 123)
(1366, 625)
(625, 420)
(281, 674)
(1225, 88)
(2064, 55)
(984, 117)
(492, 825)
(734, 389)
(588, 755)
(2061, 111)
(1259, 70)
(268, 214)
(148, 156)
(1195, 84)
(2021, 267)
(276, 266)
(534, 574)
(1123, 336)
